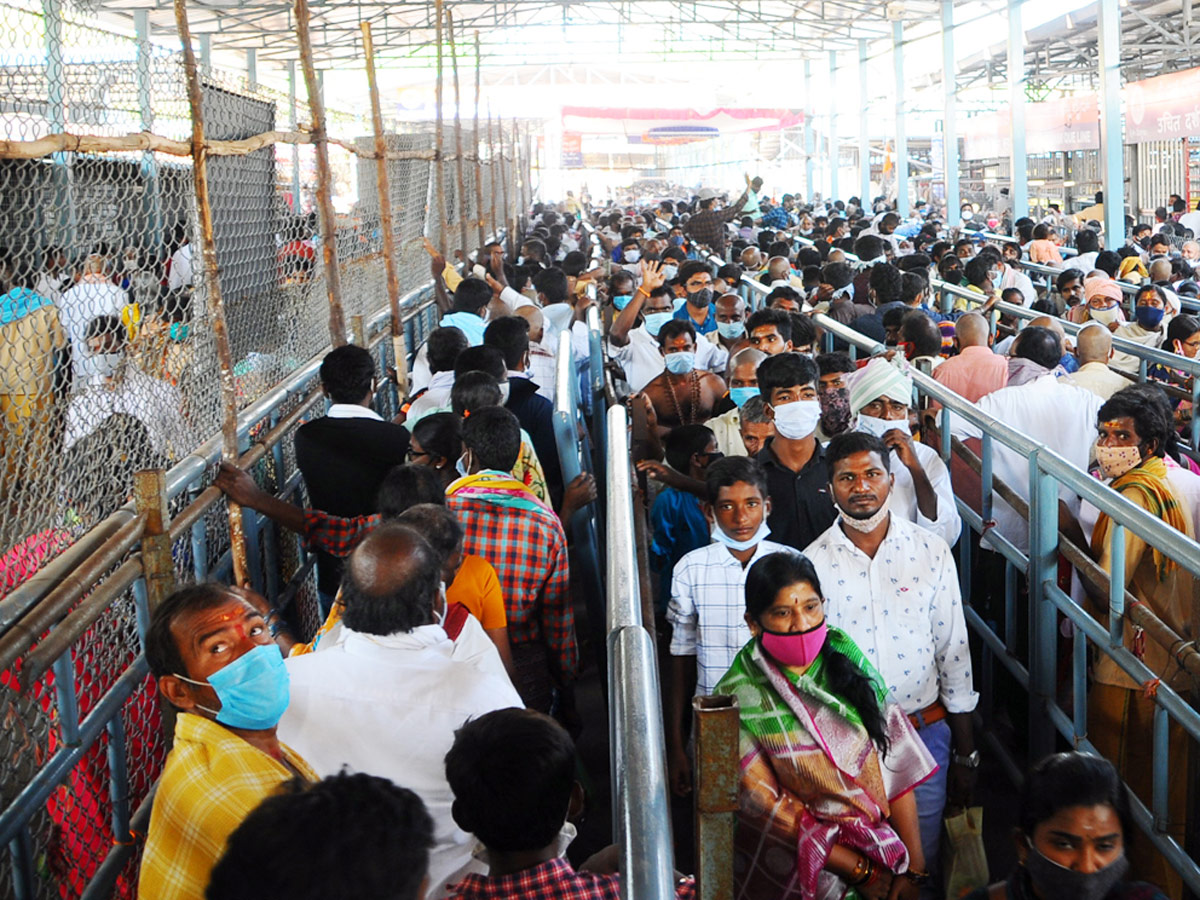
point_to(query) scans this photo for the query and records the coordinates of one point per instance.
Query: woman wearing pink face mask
(820, 813)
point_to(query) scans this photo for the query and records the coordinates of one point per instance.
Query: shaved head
(1093, 343)
(391, 581)
(1160, 270)
(779, 268)
(537, 322)
(972, 330)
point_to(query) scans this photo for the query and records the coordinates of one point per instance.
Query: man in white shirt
(543, 369)
(880, 395)
(708, 599)
(892, 586)
(442, 348)
(387, 698)
(180, 274)
(1053, 414)
(94, 295)
(1192, 220)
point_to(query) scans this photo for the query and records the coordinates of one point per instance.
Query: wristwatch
(970, 762)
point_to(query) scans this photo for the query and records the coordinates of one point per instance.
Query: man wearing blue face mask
(682, 394)
(695, 279)
(730, 334)
(1148, 327)
(797, 478)
(210, 648)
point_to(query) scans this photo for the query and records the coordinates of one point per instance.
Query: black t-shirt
(801, 503)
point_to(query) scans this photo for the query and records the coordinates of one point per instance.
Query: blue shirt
(775, 217)
(678, 527)
(710, 321)
(468, 323)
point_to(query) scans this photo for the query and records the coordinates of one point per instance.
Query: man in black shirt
(345, 454)
(797, 477)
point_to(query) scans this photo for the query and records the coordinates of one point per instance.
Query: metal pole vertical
(152, 202)
(1112, 147)
(460, 205)
(834, 151)
(808, 131)
(205, 50)
(901, 138)
(864, 140)
(440, 172)
(715, 730)
(63, 231)
(252, 68)
(494, 173)
(1018, 192)
(296, 208)
(386, 226)
(478, 159)
(949, 128)
(316, 105)
(212, 288)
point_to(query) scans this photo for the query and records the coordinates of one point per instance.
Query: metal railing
(641, 812)
(1038, 673)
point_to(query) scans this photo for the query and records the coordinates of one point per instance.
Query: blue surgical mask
(620, 301)
(740, 395)
(677, 241)
(633, 255)
(731, 330)
(669, 272)
(1148, 317)
(460, 464)
(656, 320)
(681, 363)
(253, 689)
(759, 536)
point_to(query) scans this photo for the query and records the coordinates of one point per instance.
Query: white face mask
(1104, 316)
(872, 522)
(880, 427)
(797, 419)
(633, 255)
(505, 390)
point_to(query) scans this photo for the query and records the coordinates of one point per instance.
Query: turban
(1101, 287)
(879, 378)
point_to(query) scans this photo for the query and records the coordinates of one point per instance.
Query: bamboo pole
(386, 225)
(441, 165)
(316, 106)
(212, 289)
(478, 164)
(518, 187)
(493, 170)
(504, 193)
(461, 205)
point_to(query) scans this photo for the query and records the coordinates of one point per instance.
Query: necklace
(694, 382)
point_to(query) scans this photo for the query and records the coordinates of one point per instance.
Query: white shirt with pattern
(903, 609)
(708, 607)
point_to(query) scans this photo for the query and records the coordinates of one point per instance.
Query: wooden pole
(441, 166)
(494, 181)
(478, 163)
(518, 187)
(212, 288)
(461, 206)
(386, 225)
(512, 254)
(316, 106)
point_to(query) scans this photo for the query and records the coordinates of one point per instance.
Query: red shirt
(974, 373)
(553, 880)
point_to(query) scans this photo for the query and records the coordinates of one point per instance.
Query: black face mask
(1053, 880)
(700, 298)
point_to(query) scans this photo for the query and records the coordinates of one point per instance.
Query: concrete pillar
(1019, 191)
(1112, 145)
(901, 137)
(949, 127)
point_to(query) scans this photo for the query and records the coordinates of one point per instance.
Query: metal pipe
(834, 149)
(624, 600)
(1112, 144)
(949, 111)
(715, 727)
(864, 141)
(460, 207)
(1018, 160)
(809, 138)
(901, 137)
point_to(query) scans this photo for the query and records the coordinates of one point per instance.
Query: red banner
(1163, 108)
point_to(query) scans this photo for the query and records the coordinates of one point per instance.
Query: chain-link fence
(110, 364)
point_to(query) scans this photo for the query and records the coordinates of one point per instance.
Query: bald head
(751, 258)
(779, 268)
(1049, 322)
(972, 330)
(1160, 270)
(1093, 343)
(391, 582)
(537, 322)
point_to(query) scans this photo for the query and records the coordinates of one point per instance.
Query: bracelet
(863, 870)
(916, 876)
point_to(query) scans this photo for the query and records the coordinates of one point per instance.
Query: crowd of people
(421, 744)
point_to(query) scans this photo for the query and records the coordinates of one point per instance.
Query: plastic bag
(964, 859)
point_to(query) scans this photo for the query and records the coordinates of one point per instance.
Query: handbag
(965, 860)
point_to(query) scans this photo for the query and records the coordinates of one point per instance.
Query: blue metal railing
(1048, 473)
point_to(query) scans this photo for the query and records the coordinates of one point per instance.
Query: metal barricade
(641, 812)
(1037, 674)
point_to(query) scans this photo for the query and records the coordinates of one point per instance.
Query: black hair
(784, 292)
(403, 599)
(729, 471)
(493, 435)
(828, 363)
(162, 652)
(437, 523)
(509, 335)
(947, 262)
(730, 273)
(1087, 241)
(347, 373)
(512, 772)
(408, 485)
(617, 277)
(978, 269)
(683, 442)
(785, 370)
(808, 256)
(1108, 262)
(914, 285)
(893, 316)
(1041, 232)
(673, 328)
(481, 359)
(914, 262)
(1180, 329)
(1140, 402)
(850, 442)
(868, 247)
(837, 274)
(919, 329)
(354, 835)
(692, 267)
(888, 283)
(1065, 277)
(1063, 780)
(537, 248)
(574, 263)
(552, 284)
(1039, 345)
(473, 391)
(804, 329)
(777, 317)
(776, 571)
(472, 295)
(442, 348)
(780, 248)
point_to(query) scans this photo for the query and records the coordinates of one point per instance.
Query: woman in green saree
(828, 760)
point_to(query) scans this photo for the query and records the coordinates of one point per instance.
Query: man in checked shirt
(503, 523)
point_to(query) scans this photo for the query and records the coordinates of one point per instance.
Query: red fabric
(455, 618)
(553, 880)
